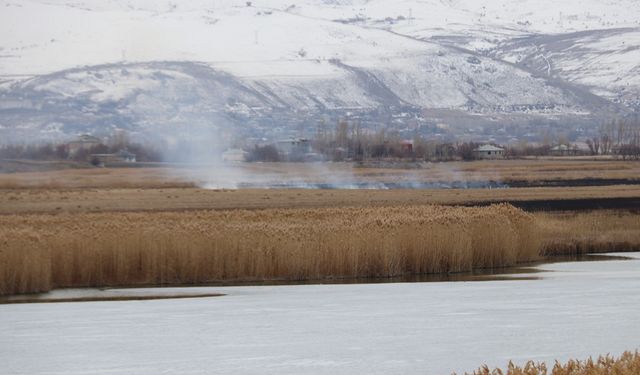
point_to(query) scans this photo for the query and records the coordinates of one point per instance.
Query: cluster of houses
(300, 149)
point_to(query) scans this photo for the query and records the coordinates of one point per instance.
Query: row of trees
(51, 151)
(617, 137)
(35, 152)
(620, 138)
(348, 141)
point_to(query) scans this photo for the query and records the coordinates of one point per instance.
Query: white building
(235, 155)
(488, 152)
(294, 147)
(564, 150)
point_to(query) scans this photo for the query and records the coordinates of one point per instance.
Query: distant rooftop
(561, 148)
(484, 148)
(87, 138)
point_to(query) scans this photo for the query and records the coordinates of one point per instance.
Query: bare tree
(606, 137)
(620, 129)
(342, 134)
(594, 145)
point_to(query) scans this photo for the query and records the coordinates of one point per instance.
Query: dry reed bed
(40, 252)
(572, 233)
(179, 199)
(627, 364)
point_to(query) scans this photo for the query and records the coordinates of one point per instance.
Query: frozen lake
(575, 310)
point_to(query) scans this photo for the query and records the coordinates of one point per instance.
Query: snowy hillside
(606, 61)
(45, 36)
(66, 62)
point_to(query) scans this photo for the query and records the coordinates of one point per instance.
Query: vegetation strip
(627, 364)
(14, 201)
(41, 252)
(102, 299)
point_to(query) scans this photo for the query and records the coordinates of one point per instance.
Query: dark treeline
(619, 138)
(345, 142)
(62, 151)
(350, 142)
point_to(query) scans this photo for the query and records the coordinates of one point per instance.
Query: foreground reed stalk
(40, 252)
(627, 364)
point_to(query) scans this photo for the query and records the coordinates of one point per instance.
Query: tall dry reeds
(25, 264)
(575, 233)
(69, 250)
(627, 364)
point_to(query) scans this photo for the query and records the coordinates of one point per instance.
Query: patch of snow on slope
(606, 61)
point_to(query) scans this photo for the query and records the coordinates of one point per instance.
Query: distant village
(346, 143)
(302, 149)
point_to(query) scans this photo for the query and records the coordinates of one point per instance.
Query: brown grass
(166, 176)
(171, 188)
(627, 364)
(40, 252)
(572, 233)
(90, 177)
(180, 199)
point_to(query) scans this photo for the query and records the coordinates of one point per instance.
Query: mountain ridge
(250, 64)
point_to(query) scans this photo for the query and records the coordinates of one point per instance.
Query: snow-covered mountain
(607, 62)
(69, 66)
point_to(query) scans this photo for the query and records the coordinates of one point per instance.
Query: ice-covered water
(574, 309)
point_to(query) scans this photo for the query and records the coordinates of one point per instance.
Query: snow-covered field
(575, 310)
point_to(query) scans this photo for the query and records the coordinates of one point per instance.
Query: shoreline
(521, 271)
